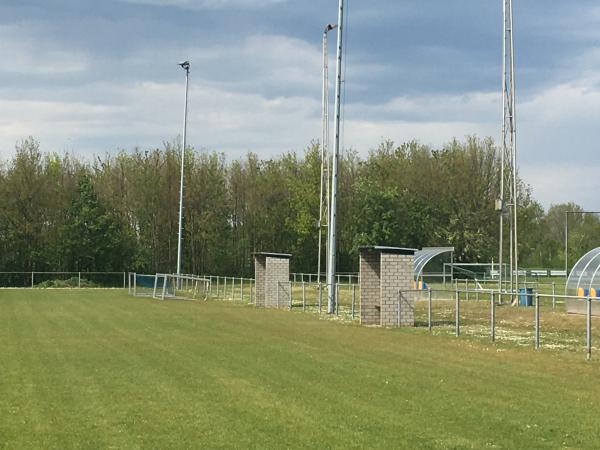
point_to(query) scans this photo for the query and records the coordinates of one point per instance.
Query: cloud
(562, 183)
(560, 124)
(146, 114)
(25, 53)
(209, 4)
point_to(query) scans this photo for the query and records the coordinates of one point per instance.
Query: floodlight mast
(325, 159)
(185, 65)
(508, 201)
(331, 256)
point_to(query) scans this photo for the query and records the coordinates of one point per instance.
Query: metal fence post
(457, 314)
(589, 328)
(124, 281)
(429, 309)
(493, 317)
(241, 289)
(303, 296)
(79, 280)
(337, 298)
(353, 299)
(537, 321)
(466, 289)
(320, 299)
(31, 279)
(553, 295)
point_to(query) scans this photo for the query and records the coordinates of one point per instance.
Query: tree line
(119, 212)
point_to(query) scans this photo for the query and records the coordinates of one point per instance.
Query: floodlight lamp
(330, 26)
(185, 65)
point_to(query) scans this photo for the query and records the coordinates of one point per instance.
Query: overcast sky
(96, 76)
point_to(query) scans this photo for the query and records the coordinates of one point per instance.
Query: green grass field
(100, 369)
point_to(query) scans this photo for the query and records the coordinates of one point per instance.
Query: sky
(93, 77)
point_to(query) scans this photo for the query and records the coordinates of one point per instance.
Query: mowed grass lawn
(100, 369)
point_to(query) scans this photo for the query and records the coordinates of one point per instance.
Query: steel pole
(331, 264)
(514, 148)
(323, 150)
(566, 246)
(186, 67)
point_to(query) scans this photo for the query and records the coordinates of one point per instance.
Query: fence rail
(47, 279)
(495, 299)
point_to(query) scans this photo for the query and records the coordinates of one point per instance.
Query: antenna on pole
(508, 202)
(325, 159)
(331, 256)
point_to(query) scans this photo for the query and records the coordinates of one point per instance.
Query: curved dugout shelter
(583, 281)
(425, 256)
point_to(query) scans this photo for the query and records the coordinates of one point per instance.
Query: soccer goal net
(164, 286)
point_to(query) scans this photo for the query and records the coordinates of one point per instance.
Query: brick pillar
(384, 272)
(278, 277)
(370, 306)
(259, 280)
(272, 274)
(397, 274)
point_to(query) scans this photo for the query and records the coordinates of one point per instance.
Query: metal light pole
(324, 190)
(331, 294)
(185, 66)
(508, 201)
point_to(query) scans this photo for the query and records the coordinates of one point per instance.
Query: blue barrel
(526, 296)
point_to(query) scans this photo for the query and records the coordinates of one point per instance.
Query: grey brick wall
(370, 303)
(397, 274)
(259, 277)
(277, 279)
(382, 275)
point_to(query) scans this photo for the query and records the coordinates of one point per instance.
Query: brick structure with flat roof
(385, 271)
(272, 276)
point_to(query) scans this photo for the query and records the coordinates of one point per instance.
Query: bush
(72, 282)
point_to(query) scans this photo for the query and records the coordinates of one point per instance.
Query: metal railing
(340, 278)
(312, 297)
(62, 279)
(495, 299)
(232, 288)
